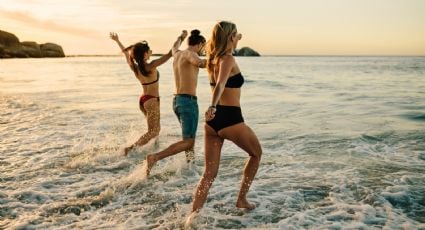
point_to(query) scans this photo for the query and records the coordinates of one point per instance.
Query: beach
(343, 141)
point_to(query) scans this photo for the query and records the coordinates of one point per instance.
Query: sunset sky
(272, 27)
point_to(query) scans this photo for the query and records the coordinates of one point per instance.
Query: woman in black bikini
(224, 117)
(137, 57)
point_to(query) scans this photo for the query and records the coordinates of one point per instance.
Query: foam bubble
(137, 176)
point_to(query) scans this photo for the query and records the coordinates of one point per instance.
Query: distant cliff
(10, 47)
(246, 51)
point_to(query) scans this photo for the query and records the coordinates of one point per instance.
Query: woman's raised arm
(114, 36)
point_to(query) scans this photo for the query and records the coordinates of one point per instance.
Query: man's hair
(195, 37)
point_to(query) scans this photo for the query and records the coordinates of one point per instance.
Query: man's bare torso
(185, 73)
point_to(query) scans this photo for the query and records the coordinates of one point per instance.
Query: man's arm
(196, 61)
(174, 49)
(178, 42)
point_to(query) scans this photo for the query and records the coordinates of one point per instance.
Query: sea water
(343, 142)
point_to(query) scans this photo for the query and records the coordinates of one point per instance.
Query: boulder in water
(32, 49)
(246, 51)
(51, 50)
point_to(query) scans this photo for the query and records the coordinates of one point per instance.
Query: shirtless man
(186, 68)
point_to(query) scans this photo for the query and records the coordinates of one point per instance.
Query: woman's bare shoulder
(227, 59)
(150, 67)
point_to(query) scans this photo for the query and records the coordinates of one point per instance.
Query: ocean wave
(419, 117)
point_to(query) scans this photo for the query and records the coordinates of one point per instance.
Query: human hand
(238, 36)
(184, 34)
(113, 36)
(210, 113)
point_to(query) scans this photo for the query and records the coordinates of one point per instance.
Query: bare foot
(243, 203)
(150, 159)
(190, 219)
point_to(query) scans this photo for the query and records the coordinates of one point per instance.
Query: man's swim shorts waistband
(187, 96)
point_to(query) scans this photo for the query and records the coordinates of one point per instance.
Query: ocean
(343, 143)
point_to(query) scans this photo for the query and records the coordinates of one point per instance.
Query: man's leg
(187, 113)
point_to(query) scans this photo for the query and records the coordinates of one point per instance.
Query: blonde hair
(218, 44)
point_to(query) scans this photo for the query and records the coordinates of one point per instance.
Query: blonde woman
(224, 117)
(137, 57)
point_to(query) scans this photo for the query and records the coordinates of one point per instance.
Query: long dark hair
(195, 38)
(139, 49)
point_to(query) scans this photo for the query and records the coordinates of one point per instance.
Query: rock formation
(246, 51)
(10, 47)
(51, 50)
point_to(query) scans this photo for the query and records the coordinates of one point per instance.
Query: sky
(271, 27)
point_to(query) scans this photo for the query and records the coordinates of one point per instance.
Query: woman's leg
(212, 145)
(153, 119)
(245, 138)
(142, 108)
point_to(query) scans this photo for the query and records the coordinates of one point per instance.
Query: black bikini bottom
(226, 116)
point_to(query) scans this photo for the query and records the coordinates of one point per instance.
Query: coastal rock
(246, 51)
(12, 52)
(51, 50)
(32, 49)
(8, 39)
(10, 47)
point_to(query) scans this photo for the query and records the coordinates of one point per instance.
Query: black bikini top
(154, 81)
(235, 81)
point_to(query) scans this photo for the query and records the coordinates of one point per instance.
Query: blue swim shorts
(185, 107)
